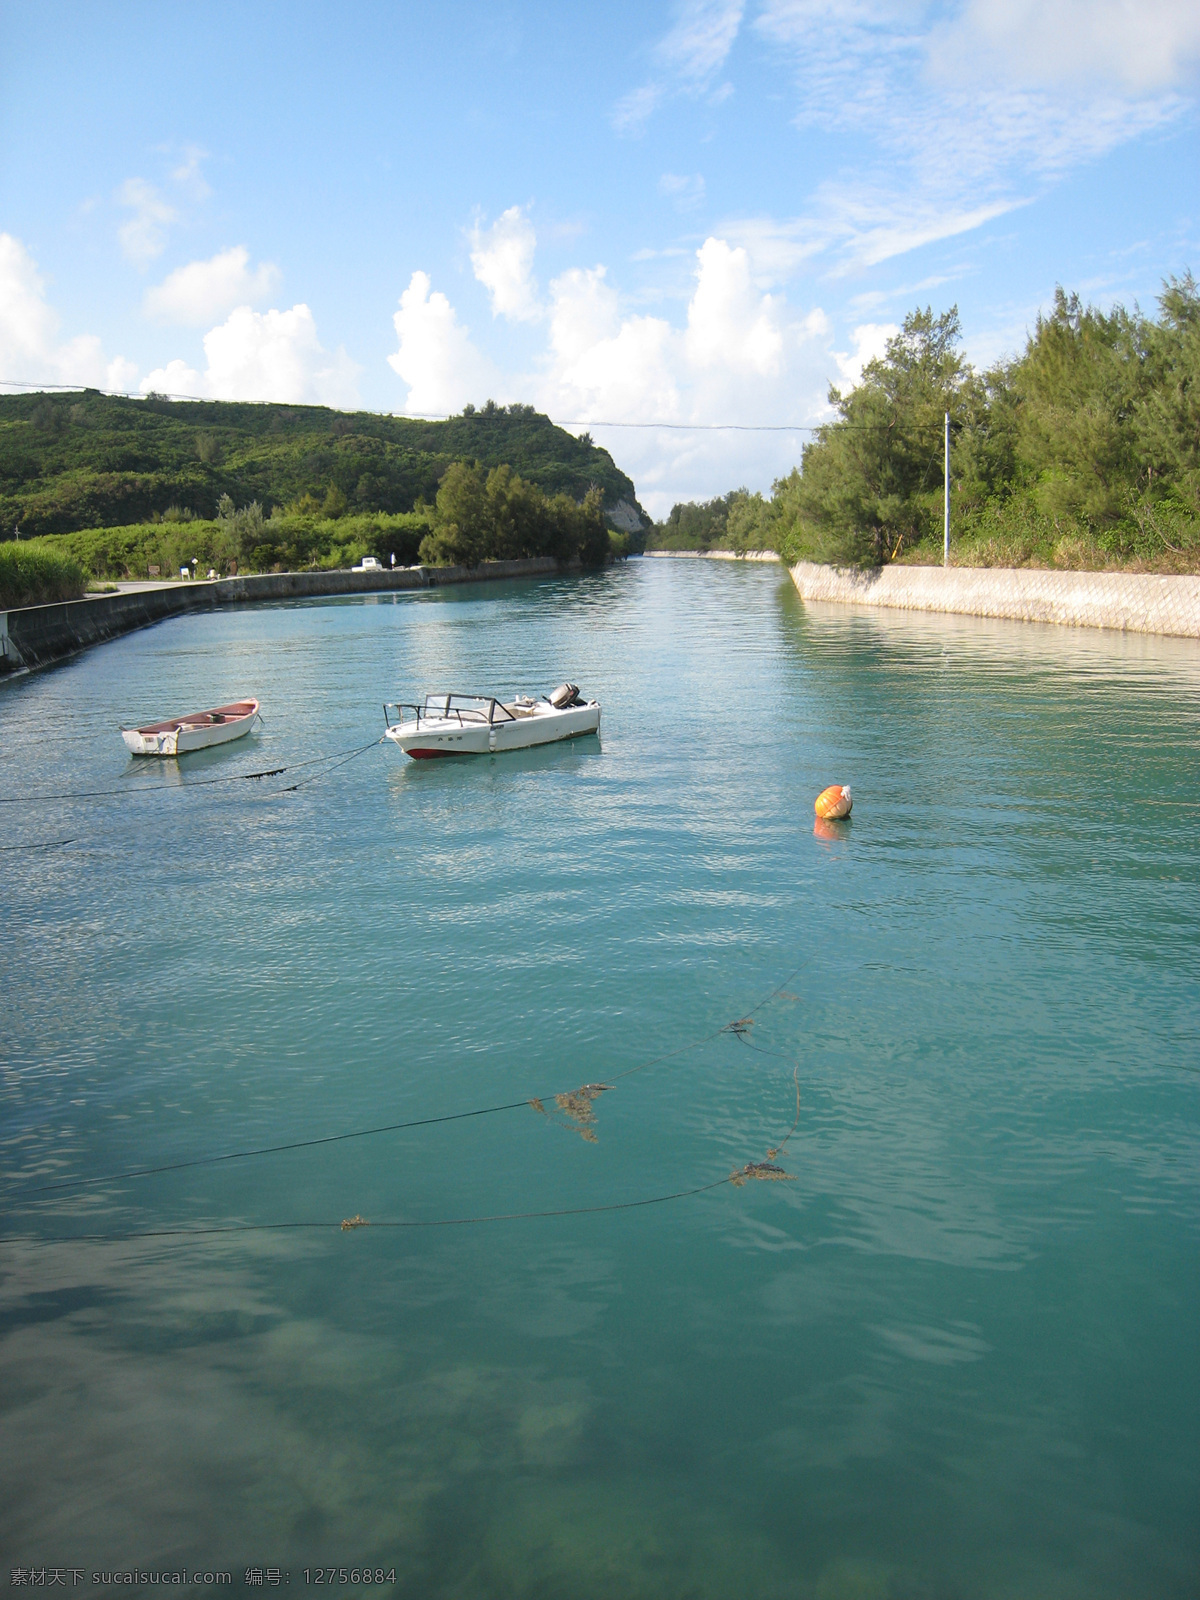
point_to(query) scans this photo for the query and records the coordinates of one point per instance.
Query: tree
(751, 523)
(869, 483)
(1076, 389)
(1167, 421)
(499, 516)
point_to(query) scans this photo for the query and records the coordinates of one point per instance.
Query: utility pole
(946, 519)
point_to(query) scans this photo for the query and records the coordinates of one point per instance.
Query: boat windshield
(465, 708)
(460, 708)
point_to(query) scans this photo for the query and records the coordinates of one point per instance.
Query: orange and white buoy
(834, 803)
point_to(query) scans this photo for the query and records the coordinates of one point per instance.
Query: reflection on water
(954, 1357)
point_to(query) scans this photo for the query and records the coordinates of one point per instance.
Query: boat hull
(199, 730)
(436, 737)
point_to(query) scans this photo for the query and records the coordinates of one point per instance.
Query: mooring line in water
(264, 1150)
(313, 777)
(566, 1100)
(727, 1027)
(351, 1224)
(194, 783)
(776, 1055)
(48, 844)
(766, 1170)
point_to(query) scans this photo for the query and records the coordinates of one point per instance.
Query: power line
(455, 416)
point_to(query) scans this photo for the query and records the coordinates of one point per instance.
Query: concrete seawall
(36, 636)
(1133, 602)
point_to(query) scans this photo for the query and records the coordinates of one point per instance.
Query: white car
(368, 564)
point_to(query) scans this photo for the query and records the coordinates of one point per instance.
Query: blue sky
(701, 212)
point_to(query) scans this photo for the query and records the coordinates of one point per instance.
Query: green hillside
(87, 460)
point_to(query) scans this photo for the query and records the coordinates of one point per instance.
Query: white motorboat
(196, 731)
(479, 724)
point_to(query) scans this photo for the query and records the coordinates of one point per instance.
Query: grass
(1162, 538)
(33, 576)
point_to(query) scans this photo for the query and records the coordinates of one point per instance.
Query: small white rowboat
(199, 729)
(476, 725)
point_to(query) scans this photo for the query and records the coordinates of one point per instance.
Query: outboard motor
(567, 694)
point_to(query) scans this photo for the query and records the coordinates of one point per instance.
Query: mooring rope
(351, 1224)
(313, 777)
(46, 844)
(336, 756)
(419, 1122)
(263, 1150)
(763, 1170)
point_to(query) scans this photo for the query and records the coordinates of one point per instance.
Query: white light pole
(946, 519)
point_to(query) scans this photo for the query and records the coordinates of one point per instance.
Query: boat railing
(440, 708)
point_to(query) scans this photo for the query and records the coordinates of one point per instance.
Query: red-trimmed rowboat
(197, 731)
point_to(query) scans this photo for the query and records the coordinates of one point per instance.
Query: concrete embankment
(38, 635)
(1134, 602)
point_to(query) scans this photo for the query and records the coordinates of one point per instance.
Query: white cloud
(1141, 48)
(188, 174)
(601, 365)
(264, 355)
(741, 355)
(585, 310)
(691, 55)
(272, 355)
(195, 294)
(1004, 90)
(729, 323)
(276, 355)
(870, 341)
(686, 192)
(177, 380)
(968, 115)
(436, 359)
(30, 351)
(144, 236)
(703, 35)
(861, 225)
(633, 110)
(502, 260)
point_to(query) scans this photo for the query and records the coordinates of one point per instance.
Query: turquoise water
(953, 1357)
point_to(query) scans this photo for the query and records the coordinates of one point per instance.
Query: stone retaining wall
(38, 635)
(1131, 601)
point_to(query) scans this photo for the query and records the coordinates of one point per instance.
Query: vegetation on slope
(86, 460)
(1082, 452)
(479, 515)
